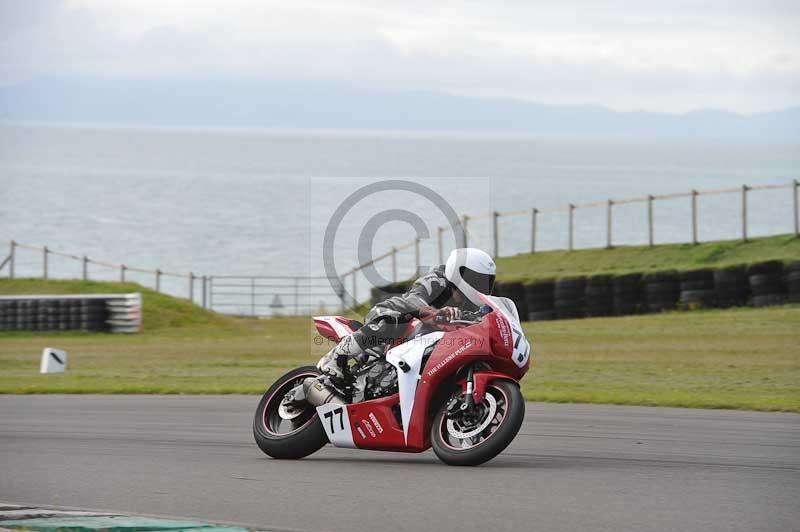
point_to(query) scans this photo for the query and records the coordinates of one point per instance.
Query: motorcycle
(450, 385)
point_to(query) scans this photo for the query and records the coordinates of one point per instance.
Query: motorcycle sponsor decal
(336, 423)
(448, 358)
(375, 422)
(368, 427)
(505, 334)
(361, 433)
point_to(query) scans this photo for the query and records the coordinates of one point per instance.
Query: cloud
(646, 55)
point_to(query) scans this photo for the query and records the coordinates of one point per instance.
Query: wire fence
(185, 284)
(273, 295)
(486, 228)
(258, 295)
(238, 295)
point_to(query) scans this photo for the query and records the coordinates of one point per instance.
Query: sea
(257, 202)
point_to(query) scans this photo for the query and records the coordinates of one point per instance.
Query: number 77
(329, 416)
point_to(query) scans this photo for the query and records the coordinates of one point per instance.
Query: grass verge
(627, 259)
(739, 358)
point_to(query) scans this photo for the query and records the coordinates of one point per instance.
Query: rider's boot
(332, 361)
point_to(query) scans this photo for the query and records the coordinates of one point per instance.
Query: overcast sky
(660, 56)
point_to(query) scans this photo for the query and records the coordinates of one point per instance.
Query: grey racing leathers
(387, 320)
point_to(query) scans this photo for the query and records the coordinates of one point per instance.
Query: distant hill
(220, 102)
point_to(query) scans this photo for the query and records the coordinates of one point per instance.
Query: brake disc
(288, 409)
(453, 431)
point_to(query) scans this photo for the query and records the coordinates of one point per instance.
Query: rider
(441, 293)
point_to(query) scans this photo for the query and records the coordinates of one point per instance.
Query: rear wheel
(478, 436)
(285, 430)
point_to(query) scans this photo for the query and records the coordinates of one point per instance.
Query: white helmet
(473, 267)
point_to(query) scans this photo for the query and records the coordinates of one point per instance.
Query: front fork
(456, 405)
(474, 388)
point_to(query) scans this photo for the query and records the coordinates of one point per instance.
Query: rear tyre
(468, 443)
(288, 435)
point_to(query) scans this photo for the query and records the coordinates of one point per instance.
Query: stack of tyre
(661, 290)
(731, 286)
(600, 295)
(569, 297)
(53, 314)
(539, 301)
(766, 283)
(93, 315)
(793, 281)
(627, 294)
(697, 289)
(5, 314)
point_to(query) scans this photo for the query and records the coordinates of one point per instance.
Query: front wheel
(288, 431)
(477, 436)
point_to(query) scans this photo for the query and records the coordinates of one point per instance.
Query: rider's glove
(427, 313)
(449, 314)
(445, 314)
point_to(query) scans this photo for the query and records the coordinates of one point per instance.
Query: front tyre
(480, 435)
(288, 434)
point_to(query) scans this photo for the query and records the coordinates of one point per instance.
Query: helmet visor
(482, 282)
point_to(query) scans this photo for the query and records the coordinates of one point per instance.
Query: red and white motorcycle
(450, 385)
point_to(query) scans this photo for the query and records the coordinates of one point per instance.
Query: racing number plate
(336, 423)
(522, 349)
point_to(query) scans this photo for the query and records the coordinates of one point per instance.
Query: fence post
(394, 264)
(650, 220)
(608, 223)
(439, 231)
(534, 212)
(211, 292)
(416, 257)
(252, 296)
(158, 280)
(694, 217)
(11, 254)
(744, 213)
(495, 215)
(191, 287)
(122, 269)
(355, 296)
(44, 262)
(204, 296)
(466, 219)
(340, 293)
(85, 268)
(571, 225)
(796, 208)
(296, 297)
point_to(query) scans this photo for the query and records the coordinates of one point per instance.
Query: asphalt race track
(573, 467)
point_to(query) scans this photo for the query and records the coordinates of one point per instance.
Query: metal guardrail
(273, 295)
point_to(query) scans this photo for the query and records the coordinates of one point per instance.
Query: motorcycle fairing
(520, 353)
(411, 353)
(372, 424)
(334, 328)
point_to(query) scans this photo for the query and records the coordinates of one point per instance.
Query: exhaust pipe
(318, 394)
